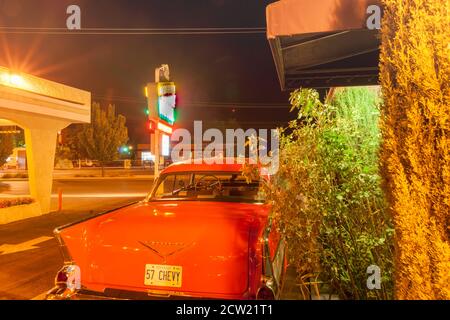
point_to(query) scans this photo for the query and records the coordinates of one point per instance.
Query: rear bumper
(59, 293)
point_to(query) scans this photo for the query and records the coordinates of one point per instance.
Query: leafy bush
(6, 203)
(327, 196)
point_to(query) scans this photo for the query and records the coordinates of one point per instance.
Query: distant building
(144, 154)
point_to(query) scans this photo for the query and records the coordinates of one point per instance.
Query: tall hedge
(415, 77)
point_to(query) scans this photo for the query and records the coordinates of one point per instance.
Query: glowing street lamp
(13, 80)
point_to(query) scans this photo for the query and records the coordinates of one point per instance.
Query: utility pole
(157, 153)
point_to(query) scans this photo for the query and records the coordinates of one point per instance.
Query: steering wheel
(211, 185)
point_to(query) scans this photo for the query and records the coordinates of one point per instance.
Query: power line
(133, 31)
(138, 29)
(199, 105)
(236, 103)
(235, 106)
(143, 99)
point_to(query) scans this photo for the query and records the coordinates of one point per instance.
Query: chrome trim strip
(59, 229)
(269, 279)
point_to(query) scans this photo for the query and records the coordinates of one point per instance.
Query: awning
(324, 43)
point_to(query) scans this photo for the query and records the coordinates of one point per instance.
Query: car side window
(181, 185)
(166, 186)
(171, 185)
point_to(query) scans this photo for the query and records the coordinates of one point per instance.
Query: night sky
(227, 71)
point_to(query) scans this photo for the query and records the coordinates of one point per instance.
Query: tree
(102, 138)
(415, 78)
(71, 146)
(6, 147)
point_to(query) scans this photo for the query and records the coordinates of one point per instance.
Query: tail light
(69, 277)
(266, 291)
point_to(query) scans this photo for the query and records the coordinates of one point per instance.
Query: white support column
(41, 147)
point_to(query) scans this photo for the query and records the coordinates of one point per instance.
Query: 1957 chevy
(202, 232)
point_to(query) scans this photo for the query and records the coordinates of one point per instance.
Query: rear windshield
(207, 186)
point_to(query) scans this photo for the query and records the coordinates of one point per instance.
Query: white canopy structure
(42, 108)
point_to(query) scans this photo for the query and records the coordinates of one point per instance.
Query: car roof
(222, 165)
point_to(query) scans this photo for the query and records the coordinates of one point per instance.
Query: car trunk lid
(196, 247)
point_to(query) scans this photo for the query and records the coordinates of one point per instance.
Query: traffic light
(152, 125)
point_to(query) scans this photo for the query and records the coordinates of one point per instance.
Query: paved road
(88, 172)
(79, 194)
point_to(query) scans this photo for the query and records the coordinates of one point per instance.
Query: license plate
(163, 276)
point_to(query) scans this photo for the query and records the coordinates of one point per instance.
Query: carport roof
(323, 44)
(27, 94)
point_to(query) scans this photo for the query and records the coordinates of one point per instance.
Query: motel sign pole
(161, 103)
(157, 153)
(156, 141)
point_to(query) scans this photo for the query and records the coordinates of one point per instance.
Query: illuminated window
(147, 156)
(165, 149)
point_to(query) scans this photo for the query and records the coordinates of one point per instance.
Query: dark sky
(232, 69)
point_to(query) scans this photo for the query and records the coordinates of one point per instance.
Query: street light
(12, 80)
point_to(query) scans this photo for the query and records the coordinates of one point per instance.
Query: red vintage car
(202, 232)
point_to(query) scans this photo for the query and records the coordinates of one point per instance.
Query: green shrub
(6, 203)
(327, 195)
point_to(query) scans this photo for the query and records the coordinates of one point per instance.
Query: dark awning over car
(324, 43)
